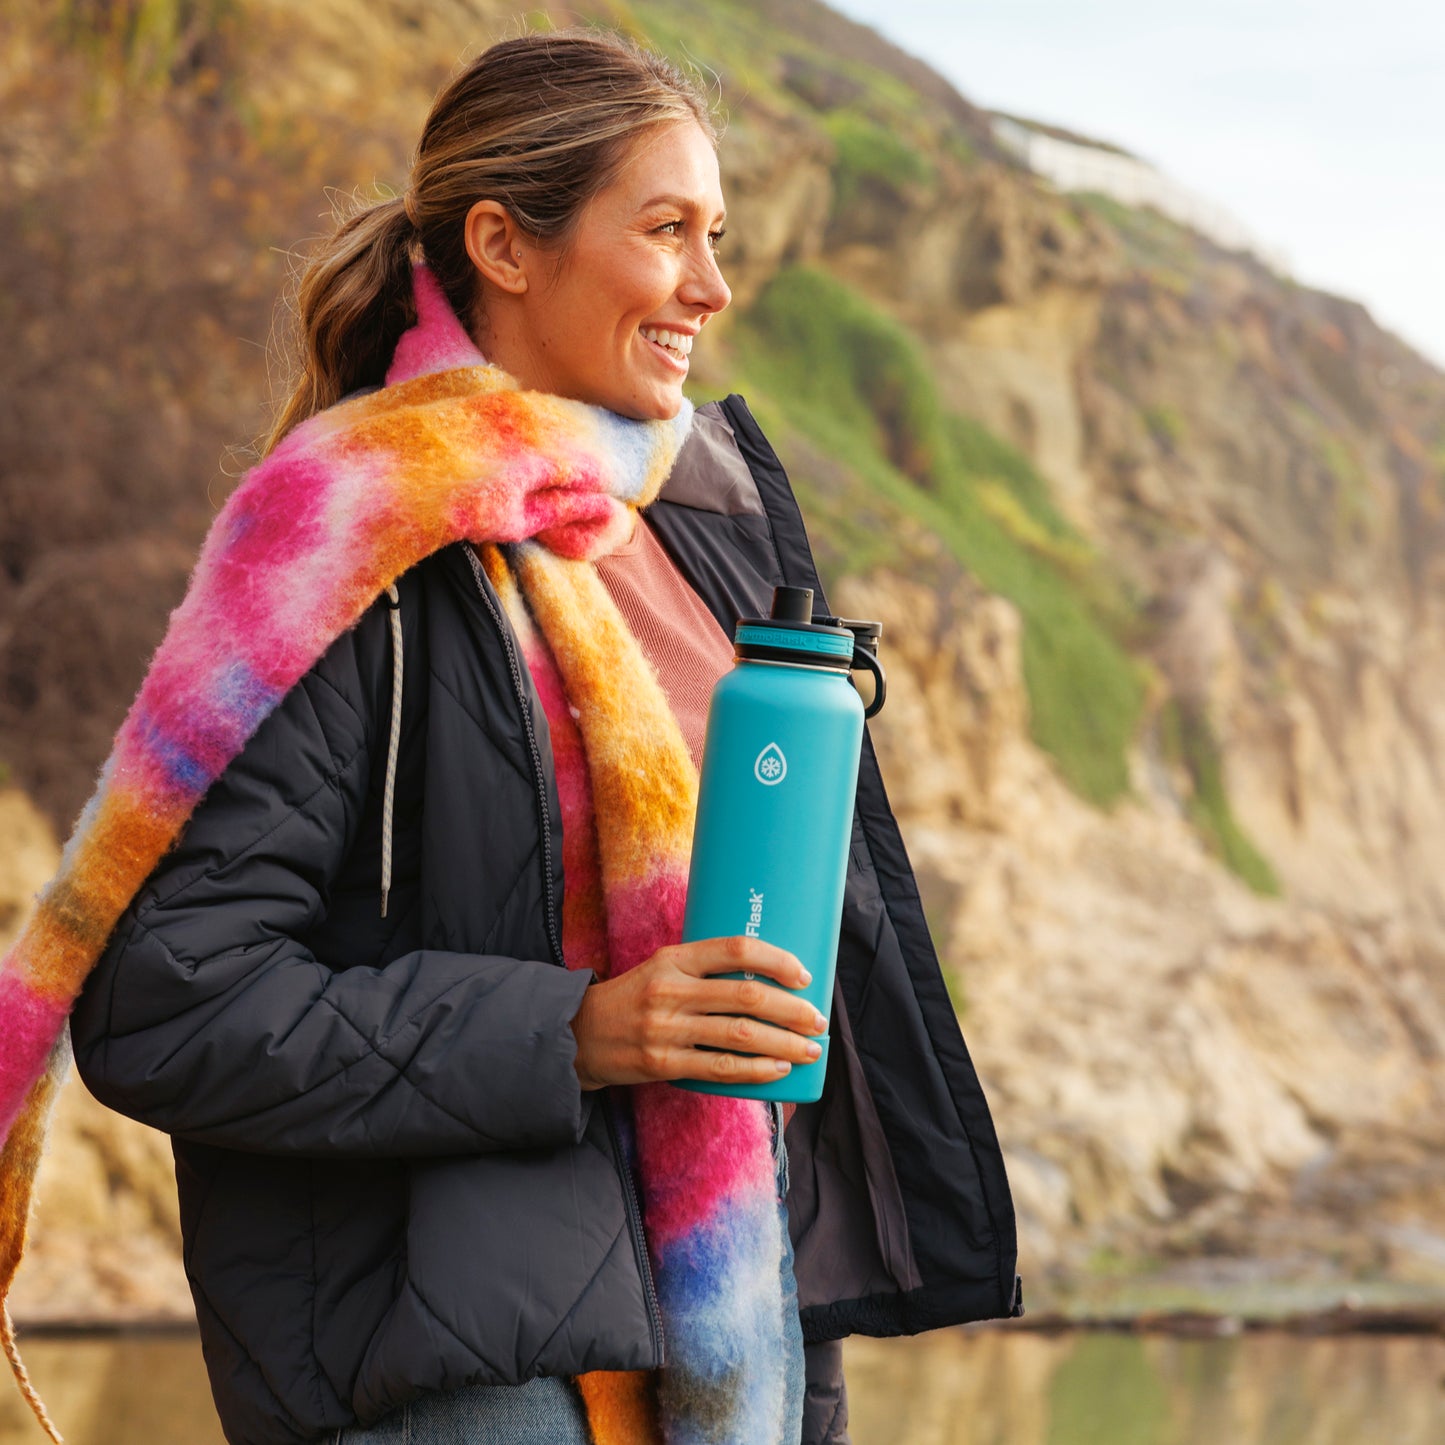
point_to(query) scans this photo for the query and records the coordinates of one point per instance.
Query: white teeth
(678, 341)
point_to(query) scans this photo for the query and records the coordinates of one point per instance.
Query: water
(1012, 1387)
(952, 1387)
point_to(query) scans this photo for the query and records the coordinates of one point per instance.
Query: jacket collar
(710, 473)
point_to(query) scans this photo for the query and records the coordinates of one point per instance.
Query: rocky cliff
(1154, 534)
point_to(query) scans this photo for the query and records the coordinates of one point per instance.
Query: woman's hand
(648, 1024)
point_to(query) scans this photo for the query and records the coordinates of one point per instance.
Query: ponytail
(353, 304)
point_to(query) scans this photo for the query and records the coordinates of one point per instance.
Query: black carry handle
(866, 636)
(862, 657)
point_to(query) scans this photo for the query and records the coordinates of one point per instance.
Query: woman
(396, 833)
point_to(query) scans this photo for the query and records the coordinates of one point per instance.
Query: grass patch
(1107, 1262)
(147, 42)
(714, 39)
(1161, 248)
(854, 374)
(979, 451)
(1166, 426)
(1188, 740)
(1352, 504)
(870, 154)
(855, 384)
(1352, 487)
(884, 131)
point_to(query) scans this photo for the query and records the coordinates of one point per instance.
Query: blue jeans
(544, 1411)
(548, 1410)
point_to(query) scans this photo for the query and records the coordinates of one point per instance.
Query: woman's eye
(673, 228)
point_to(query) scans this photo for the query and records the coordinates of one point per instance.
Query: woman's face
(612, 318)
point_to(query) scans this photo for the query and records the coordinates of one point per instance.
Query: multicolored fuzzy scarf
(449, 450)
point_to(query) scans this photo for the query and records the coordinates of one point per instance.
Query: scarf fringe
(19, 1163)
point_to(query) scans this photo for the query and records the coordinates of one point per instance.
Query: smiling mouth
(677, 344)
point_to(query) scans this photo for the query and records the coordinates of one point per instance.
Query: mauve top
(677, 633)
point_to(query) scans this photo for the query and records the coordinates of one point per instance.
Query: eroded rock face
(1174, 1064)
(1005, 284)
(1177, 1064)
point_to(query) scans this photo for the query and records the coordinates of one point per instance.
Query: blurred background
(1026, 297)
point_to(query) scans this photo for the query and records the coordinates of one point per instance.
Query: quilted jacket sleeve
(209, 1018)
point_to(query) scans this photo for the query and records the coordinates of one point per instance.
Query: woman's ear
(496, 246)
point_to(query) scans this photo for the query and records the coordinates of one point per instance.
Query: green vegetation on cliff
(867, 152)
(796, 58)
(824, 362)
(146, 43)
(1188, 741)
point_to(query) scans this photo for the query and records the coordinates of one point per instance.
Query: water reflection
(114, 1390)
(1012, 1387)
(953, 1387)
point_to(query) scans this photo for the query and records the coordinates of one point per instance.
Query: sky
(1319, 124)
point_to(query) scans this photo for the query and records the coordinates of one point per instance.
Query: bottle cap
(790, 634)
(792, 604)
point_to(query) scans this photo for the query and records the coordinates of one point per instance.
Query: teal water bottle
(775, 803)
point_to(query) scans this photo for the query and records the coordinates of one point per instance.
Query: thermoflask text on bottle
(775, 806)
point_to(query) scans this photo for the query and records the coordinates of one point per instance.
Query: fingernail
(783, 1066)
(807, 978)
(814, 1050)
(820, 1024)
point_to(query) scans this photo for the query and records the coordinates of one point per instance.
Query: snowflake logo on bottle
(771, 767)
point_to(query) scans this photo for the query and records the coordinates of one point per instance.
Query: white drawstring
(394, 746)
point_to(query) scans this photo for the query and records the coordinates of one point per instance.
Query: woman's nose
(704, 285)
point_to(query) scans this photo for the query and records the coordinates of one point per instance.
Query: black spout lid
(792, 604)
(791, 635)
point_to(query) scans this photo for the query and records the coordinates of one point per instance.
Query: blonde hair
(541, 123)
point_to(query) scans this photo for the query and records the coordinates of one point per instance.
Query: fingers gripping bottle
(775, 805)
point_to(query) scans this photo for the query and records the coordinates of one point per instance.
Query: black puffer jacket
(390, 1180)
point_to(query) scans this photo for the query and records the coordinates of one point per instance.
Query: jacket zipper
(634, 1224)
(629, 1187)
(544, 822)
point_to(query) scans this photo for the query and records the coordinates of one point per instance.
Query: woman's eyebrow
(678, 203)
